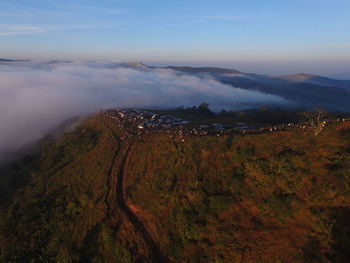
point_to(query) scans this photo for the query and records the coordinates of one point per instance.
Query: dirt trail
(117, 178)
(111, 179)
(131, 215)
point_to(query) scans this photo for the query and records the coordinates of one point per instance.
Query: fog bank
(36, 97)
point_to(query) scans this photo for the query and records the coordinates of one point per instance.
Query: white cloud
(35, 97)
(12, 29)
(232, 17)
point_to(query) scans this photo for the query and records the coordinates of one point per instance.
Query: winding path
(134, 219)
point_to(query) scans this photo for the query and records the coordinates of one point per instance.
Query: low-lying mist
(36, 97)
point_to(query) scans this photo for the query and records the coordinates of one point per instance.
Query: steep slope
(108, 194)
(69, 211)
(266, 198)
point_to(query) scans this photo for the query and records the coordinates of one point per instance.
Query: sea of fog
(35, 97)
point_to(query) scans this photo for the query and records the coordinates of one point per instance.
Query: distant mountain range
(315, 79)
(11, 60)
(294, 78)
(308, 91)
(210, 70)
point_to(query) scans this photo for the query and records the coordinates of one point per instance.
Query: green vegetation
(257, 117)
(276, 197)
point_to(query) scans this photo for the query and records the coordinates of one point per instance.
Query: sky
(262, 36)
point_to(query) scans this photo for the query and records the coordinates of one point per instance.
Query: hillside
(304, 90)
(109, 192)
(298, 77)
(205, 70)
(314, 79)
(12, 60)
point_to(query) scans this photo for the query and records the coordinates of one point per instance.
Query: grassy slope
(280, 197)
(266, 198)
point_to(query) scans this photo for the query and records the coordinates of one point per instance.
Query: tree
(203, 108)
(316, 120)
(204, 105)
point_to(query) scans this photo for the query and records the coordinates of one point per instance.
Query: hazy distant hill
(205, 70)
(5, 60)
(11, 60)
(298, 77)
(303, 91)
(315, 79)
(308, 91)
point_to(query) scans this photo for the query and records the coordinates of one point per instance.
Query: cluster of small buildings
(343, 119)
(145, 119)
(140, 122)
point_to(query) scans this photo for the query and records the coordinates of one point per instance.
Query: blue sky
(255, 35)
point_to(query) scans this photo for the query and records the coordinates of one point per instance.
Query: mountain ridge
(12, 60)
(106, 192)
